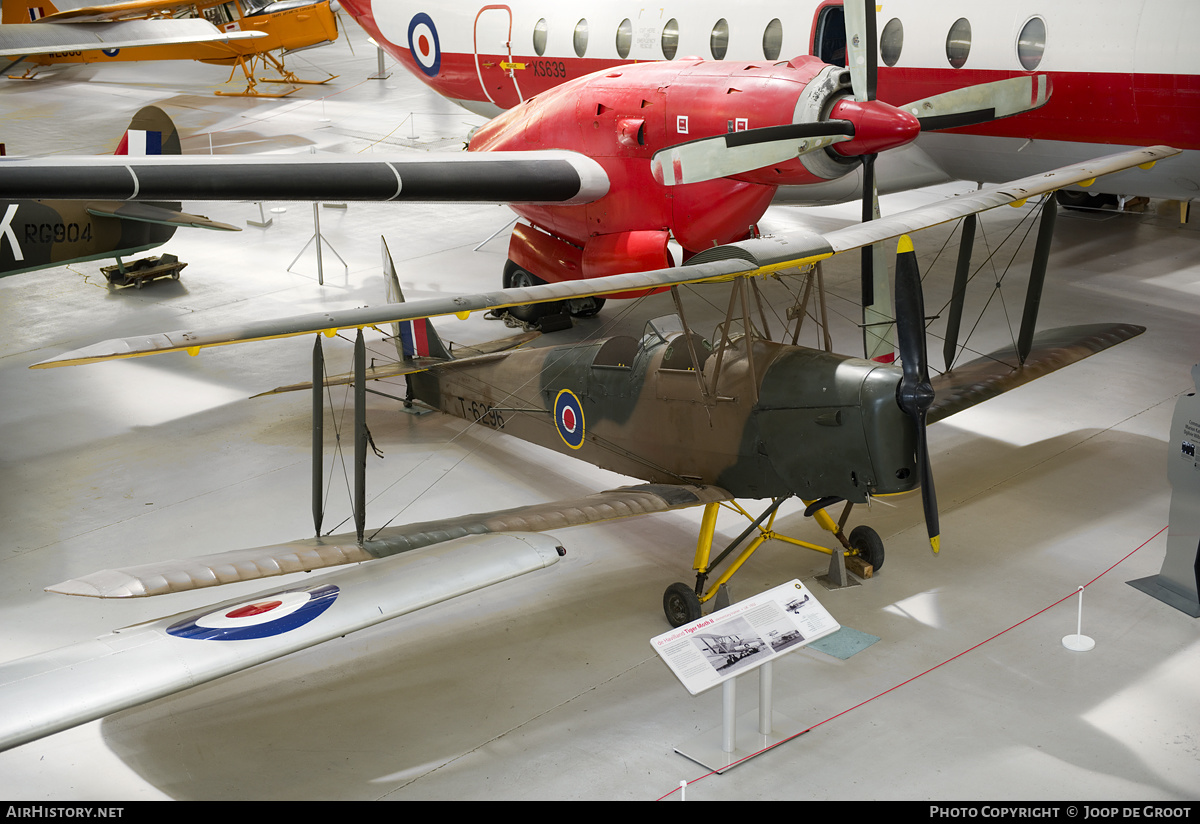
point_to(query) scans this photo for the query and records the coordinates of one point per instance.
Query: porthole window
(773, 40)
(624, 38)
(670, 39)
(1031, 43)
(581, 36)
(891, 41)
(718, 41)
(539, 37)
(958, 43)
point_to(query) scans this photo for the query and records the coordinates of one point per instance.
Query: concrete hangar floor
(546, 687)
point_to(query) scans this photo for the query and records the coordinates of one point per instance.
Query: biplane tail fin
(150, 132)
(20, 11)
(414, 338)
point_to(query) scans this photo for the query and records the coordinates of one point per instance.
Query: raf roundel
(424, 45)
(568, 418)
(269, 615)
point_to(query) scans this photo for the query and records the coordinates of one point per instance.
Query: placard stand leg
(723, 748)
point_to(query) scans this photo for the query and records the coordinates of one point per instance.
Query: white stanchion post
(1079, 642)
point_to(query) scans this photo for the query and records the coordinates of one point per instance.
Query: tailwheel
(681, 605)
(868, 545)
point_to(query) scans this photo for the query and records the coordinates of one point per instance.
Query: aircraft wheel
(585, 307)
(681, 605)
(517, 278)
(1083, 200)
(868, 544)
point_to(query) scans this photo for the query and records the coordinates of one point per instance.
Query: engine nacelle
(623, 116)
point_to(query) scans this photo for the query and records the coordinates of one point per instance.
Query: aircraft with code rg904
(39, 234)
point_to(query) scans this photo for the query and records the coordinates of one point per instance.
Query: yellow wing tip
(904, 245)
(936, 543)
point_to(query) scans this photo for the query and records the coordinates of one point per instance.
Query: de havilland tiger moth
(777, 420)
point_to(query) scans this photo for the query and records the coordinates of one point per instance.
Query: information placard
(744, 635)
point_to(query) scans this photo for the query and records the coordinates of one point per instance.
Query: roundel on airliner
(424, 45)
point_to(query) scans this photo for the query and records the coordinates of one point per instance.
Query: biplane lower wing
(318, 553)
(1001, 371)
(53, 691)
(95, 177)
(27, 39)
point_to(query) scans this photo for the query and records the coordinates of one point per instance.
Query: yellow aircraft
(233, 33)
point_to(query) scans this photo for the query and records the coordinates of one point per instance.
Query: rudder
(150, 132)
(414, 338)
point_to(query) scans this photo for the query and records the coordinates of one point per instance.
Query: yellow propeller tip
(935, 543)
(904, 245)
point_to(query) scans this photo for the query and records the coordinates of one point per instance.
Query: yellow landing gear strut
(252, 81)
(287, 76)
(682, 603)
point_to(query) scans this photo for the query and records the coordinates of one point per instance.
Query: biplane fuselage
(777, 420)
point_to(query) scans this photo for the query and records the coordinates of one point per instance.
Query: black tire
(517, 278)
(681, 605)
(868, 544)
(1083, 200)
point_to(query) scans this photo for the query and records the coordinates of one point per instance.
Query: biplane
(702, 421)
(235, 33)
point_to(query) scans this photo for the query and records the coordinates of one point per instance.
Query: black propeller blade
(915, 392)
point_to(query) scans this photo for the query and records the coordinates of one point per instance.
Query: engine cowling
(623, 116)
(830, 425)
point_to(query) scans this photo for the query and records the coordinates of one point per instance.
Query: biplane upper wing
(109, 12)
(25, 39)
(137, 179)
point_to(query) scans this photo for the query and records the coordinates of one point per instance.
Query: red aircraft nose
(877, 127)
